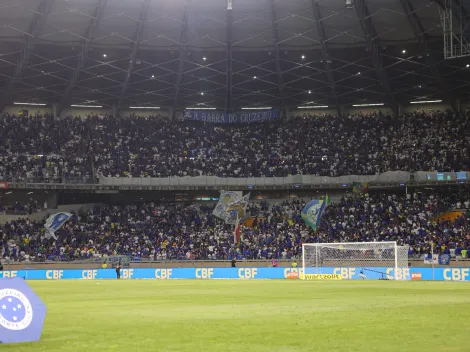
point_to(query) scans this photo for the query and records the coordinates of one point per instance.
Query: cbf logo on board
(16, 312)
(22, 312)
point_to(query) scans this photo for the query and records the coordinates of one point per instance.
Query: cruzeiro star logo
(16, 312)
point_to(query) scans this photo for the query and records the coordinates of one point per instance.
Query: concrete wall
(83, 112)
(144, 112)
(14, 109)
(369, 110)
(32, 110)
(300, 112)
(425, 107)
(346, 111)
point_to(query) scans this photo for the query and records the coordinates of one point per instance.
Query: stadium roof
(180, 53)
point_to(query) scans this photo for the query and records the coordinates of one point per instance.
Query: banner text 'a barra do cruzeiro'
(242, 117)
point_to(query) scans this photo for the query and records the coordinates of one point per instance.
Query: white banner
(433, 260)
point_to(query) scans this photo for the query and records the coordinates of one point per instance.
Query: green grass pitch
(261, 316)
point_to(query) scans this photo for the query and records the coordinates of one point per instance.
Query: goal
(354, 261)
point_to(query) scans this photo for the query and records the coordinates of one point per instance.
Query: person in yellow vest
(294, 264)
(104, 266)
(464, 253)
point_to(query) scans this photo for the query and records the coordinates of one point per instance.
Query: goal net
(354, 261)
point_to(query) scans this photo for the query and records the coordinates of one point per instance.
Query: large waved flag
(313, 211)
(226, 198)
(360, 187)
(232, 205)
(55, 222)
(235, 212)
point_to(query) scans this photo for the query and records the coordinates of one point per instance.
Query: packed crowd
(59, 150)
(310, 145)
(165, 232)
(43, 149)
(408, 219)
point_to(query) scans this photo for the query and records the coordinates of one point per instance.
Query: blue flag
(22, 312)
(55, 222)
(444, 259)
(314, 210)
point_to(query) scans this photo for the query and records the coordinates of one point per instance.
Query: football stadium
(234, 175)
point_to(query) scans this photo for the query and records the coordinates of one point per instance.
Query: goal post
(354, 260)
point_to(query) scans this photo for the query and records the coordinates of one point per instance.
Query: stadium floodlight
(313, 107)
(425, 101)
(145, 107)
(356, 260)
(201, 108)
(372, 104)
(260, 108)
(85, 106)
(29, 104)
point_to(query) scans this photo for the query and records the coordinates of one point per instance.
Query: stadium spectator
(167, 232)
(67, 150)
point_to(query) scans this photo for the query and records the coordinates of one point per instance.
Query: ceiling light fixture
(145, 107)
(29, 104)
(201, 108)
(256, 108)
(313, 107)
(85, 106)
(372, 104)
(425, 101)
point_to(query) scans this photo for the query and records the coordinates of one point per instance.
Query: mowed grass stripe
(238, 315)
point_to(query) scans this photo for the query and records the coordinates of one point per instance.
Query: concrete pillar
(52, 200)
(115, 111)
(56, 110)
